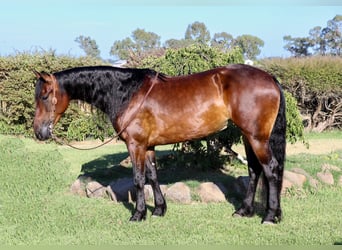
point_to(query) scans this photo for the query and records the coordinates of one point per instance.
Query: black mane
(107, 88)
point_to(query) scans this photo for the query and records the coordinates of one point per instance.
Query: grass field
(36, 207)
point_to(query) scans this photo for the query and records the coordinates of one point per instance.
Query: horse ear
(43, 75)
(37, 74)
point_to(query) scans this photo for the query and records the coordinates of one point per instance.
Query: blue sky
(37, 24)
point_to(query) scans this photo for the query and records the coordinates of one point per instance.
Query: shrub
(191, 59)
(88, 126)
(294, 128)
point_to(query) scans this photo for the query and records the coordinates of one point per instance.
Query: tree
(250, 45)
(222, 40)
(197, 32)
(319, 45)
(89, 46)
(122, 48)
(145, 40)
(298, 46)
(177, 44)
(332, 34)
(141, 42)
(321, 41)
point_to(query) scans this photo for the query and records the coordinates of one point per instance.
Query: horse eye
(45, 97)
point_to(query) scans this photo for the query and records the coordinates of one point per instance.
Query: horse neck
(108, 89)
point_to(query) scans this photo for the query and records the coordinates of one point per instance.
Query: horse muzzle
(43, 132)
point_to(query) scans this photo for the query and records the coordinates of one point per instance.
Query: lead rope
(62, 142)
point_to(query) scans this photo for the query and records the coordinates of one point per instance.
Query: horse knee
(271, 170)
(139, 181)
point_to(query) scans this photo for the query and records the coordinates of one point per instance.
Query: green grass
(37, 208)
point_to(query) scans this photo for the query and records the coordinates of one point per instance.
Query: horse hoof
(243, 213)
(236, 215)
(159, 212)
(138, 216)
(269, 223)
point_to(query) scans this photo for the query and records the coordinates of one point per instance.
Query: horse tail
(278, 136)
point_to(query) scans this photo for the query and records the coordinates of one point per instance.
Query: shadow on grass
(107, 168)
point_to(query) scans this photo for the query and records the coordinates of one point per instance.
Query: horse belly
(188, 125)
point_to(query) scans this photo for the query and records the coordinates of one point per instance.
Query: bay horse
(148, 108)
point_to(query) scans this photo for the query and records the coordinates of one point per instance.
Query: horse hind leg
(151, 174)
(254, 171)
(272, 174)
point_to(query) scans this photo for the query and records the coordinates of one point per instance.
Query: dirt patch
(316, 146)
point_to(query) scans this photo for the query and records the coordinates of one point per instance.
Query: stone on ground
(210, 192)
(179, 192)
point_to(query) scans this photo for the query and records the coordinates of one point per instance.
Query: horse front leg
(137, 154)
(151, 174)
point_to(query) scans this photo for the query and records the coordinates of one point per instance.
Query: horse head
(51, 103)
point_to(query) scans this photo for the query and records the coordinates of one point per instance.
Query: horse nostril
(39, 135)
(43, 133)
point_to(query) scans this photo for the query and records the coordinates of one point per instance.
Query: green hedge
(316, 83)
(320, 75)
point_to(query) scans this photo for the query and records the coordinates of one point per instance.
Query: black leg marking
(151, 174)
(137, 156)
(254, 170)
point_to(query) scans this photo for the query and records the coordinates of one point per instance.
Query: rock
(179, 192)
(326, 177)
(300, 171)
(122, 188)
(291, 179)
(286, 185)
(340, 181)
(312, 181)
(95, 190)
(163, 188)
(78, 188)
(111, 194)
(210, 192)
(126, 162)
(327, 167)
(148, 192)
(295, 178)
